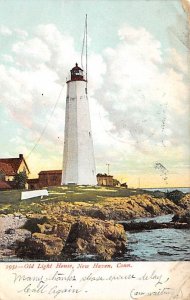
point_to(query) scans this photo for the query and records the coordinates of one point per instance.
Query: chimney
(21, 156)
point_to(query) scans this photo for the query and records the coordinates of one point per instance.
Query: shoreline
(83, 227)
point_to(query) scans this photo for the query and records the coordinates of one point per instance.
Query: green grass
(10, 196)
(10, 201)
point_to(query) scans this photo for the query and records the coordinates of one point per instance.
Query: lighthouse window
(89, 134)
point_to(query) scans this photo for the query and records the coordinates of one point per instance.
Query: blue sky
(105, 17)
(138, 83)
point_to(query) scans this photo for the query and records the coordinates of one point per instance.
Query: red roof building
(46, 178)
(104, 179)
(9, 167)
(50, 178)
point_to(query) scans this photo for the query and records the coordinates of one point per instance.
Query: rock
(185, 202)
(142, 205)
(95, 237)
(159, 194)
(46, 228)
(40, 246)
(81, 227)
(182, 217)
(179, 225)
(4, 211)
(7, 252)
(33, 221)
(62, 230)
(95, 213)
(150, 225)
(140, 226)
(10, 231)
(175, 196)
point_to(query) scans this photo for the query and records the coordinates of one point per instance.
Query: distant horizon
(170, 187)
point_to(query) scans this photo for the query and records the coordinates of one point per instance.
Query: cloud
(31, 86)
(138, 94)
(176, 61)
(144, 89)
(63, 53)
(21, 33)
(5, 31)
(31, 53)
(7, 58)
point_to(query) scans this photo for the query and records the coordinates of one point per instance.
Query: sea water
(159, 244)
(169, 189)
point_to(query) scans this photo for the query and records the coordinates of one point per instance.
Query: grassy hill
(10, 201)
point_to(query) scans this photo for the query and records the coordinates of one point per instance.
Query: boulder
(150, 225)
(10, 231)
(46, 228)
(62, 230)
(95, 213)
(175, 196)
(91, 236)
(158, 194)
(185, 202)
(40, 246)
(33, 220)
(182, 217)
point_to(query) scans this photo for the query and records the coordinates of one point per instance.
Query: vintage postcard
(94, 149)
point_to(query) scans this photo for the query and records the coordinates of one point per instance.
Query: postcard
(94, 150)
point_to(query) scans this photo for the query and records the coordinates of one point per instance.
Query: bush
(20, 180)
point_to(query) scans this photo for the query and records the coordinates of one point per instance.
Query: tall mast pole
(86, 54)
(108, 168)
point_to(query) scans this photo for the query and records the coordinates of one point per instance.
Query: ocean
(158, 245)
(169, 189)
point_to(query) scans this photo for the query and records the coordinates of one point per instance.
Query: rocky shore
(11, 232)
(63, 230)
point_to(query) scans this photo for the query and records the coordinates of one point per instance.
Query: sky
(138, 84)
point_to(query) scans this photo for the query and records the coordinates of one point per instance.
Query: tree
(20, 180)
(115, 182)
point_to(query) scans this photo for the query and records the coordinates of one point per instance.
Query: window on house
(2, 175)
(54, 178)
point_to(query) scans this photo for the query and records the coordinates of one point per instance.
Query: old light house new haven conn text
(78, 156)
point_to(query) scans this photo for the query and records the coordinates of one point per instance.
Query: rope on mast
(46, 124)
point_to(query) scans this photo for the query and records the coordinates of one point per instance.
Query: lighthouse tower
(78, 156)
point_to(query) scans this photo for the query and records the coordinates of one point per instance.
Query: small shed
(105, 180)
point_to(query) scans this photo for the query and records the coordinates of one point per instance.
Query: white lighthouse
(78, 156)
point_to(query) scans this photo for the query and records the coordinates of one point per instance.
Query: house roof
(103, 175)
(10, 166)
(51, 172)
(4, 185)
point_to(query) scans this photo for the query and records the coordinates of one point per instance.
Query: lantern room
(76, 73)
